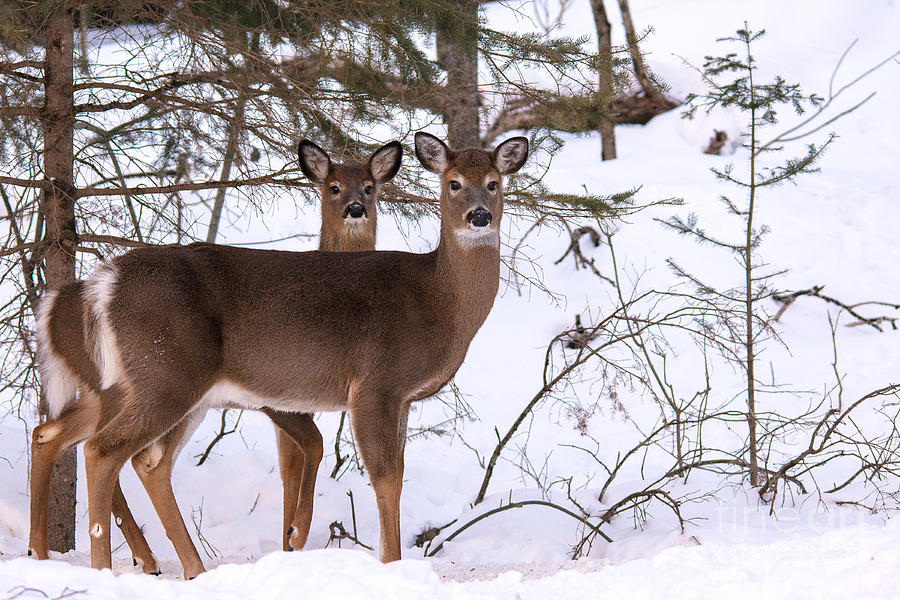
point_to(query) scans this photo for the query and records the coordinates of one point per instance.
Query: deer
(348, 194)
(177, 330)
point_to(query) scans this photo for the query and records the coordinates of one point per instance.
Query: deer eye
(335, 189)
(368, 189)
(454, 185)
(492, 186)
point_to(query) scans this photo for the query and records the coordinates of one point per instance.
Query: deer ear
(385, 162)
(314, 161)
(510, 155)
(432, 152)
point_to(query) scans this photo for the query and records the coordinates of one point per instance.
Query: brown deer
(173, 331)
(348, 193)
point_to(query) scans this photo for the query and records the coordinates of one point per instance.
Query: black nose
(355, 210)
(480, 217)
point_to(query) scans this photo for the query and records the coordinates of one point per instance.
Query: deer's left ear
(510, 155)
(385, 162)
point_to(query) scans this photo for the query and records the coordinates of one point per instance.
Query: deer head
(349, 191)
(471, 186)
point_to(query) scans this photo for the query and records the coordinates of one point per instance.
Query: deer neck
(335, 236)
(468, 277)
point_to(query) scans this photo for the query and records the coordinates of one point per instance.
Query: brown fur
(299, 441)
(369, 332)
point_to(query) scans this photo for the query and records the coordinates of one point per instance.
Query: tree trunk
(640, 71)
(58, 122)
(231, 148)
(606, 88)
(457, 53)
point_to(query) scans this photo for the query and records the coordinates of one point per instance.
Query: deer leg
(102, 465)
(299, 455)
(49, 441)
(290, 463)
(127, 431)
(131, 531)
(153, 465)
(380, 431)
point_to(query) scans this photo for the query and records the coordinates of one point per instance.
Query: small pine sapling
(737, 323)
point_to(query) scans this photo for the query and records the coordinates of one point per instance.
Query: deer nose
(480, 217)
(355, 210)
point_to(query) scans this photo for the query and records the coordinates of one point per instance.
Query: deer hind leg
(154, 465)
(126, 432)
(380, 431)
(131, 531)
(49, 441)
(299, 455)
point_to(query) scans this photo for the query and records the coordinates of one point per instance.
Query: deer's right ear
(314, 162)
(432, 152)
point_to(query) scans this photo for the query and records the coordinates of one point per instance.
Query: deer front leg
(299, 455)
(380, 431)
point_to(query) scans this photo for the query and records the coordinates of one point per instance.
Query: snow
(858, 562)
(835, 228)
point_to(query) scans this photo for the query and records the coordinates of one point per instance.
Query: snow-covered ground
(835, 228)
(853, 563)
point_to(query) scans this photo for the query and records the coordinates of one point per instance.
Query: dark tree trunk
(457, 54)
(606, 89)
(58, 121)
(640, 71)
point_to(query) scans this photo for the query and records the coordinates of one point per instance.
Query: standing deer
(348, 194)
(178, 330)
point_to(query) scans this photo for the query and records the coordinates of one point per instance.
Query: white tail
(58, 381)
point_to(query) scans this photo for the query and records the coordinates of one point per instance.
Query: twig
(575, 249)
(339, 459)
(221, 434)
(594, 528)
(771, 485)
(338, 532)
(210, 550)
(21, 590)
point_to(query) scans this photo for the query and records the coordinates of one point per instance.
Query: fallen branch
(575, 114)
(575, 250)
(788, 298)
(337, 532)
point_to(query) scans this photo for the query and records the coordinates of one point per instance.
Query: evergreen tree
(171, 101)
(736, 321)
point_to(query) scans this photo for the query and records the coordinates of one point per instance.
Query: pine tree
(736, 321)
(208, 99)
